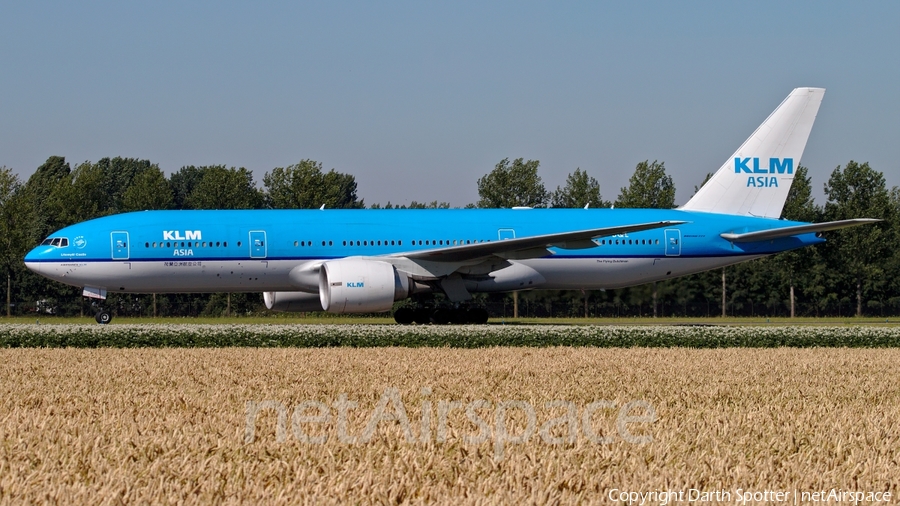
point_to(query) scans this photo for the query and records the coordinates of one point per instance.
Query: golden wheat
(112, 426)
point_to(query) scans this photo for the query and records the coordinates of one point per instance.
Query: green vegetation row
(361, 336)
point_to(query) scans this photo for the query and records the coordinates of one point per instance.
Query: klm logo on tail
(752, 166)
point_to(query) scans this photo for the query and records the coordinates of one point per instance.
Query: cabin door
(258, 245)
(673, 242)
(119, 245)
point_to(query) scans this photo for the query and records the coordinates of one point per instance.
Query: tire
(477, 316)
(459, 316)
(404, 316)
(441, 317)
(103, 317)
(422, 316)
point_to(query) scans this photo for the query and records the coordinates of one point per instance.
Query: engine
(292, 301)
(355, 285)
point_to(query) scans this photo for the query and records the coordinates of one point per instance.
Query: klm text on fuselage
(752, 166)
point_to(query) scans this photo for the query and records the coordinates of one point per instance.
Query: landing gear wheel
(477, 315)
(422, 316)
(404, 316)
(441, 317)
(103, 317)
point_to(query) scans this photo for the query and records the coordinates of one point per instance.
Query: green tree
(512, 184)
(120, 175)
(705, 180)
(221, 188)
(84, 196)
(47, 194)
(183, 182)
(148, 190)
(305, 186)
(38, 189)
(799, 206)
(648, 188)
(580, 190)
(434, 204)
(16, 216)
(858, 191)
(892, 269)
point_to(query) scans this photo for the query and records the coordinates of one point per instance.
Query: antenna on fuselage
(322, 208)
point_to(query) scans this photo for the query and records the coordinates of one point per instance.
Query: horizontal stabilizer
(775, 233)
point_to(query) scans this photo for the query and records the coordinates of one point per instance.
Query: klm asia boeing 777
(360, 261)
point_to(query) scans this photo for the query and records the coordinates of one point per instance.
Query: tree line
(857, 272)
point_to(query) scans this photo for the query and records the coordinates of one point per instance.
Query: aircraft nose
(32, 261)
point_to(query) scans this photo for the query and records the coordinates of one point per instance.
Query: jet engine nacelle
(356, 285)
(292, 302)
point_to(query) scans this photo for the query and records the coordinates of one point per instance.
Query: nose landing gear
(103, 317)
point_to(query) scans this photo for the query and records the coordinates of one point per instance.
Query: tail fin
(755, 181)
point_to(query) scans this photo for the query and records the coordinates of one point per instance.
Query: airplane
(362, 261)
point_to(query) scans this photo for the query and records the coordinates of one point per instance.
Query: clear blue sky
(420, 99)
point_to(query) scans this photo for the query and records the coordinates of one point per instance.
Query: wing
(775, 233)
(529, 247)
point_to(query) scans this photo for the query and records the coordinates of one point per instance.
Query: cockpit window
(59, 242)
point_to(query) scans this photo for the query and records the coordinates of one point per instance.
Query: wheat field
(494, 425)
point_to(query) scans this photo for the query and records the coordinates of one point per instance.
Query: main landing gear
(441, 316)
